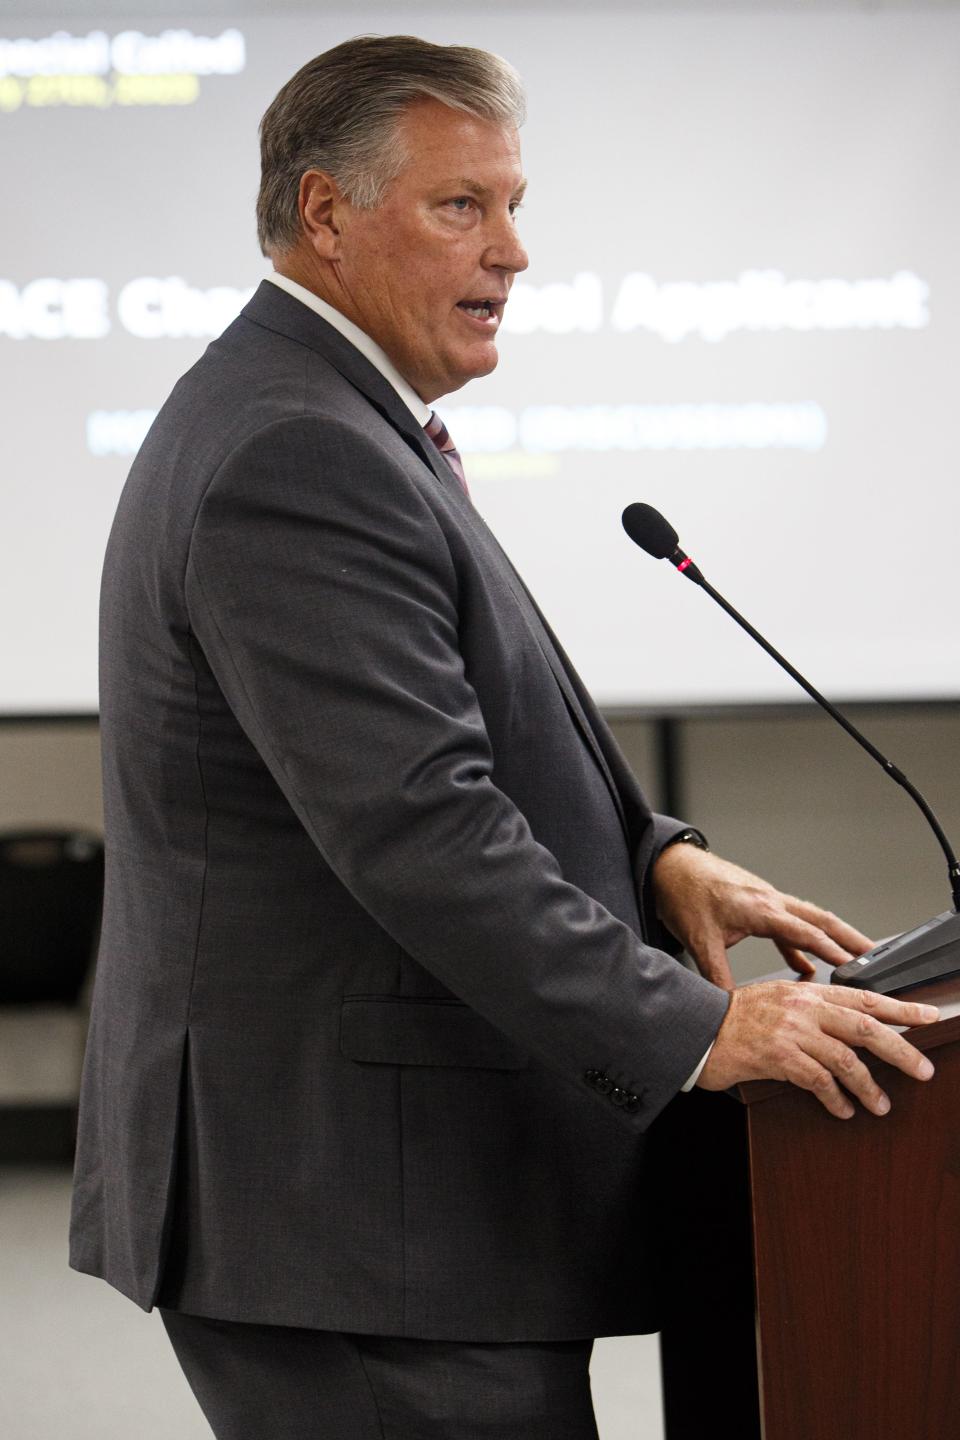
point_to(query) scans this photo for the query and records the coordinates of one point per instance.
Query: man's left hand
(709, 904)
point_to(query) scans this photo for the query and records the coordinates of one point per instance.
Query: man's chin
(473, 368)
(480, 363)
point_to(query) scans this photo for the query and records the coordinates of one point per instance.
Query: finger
(810, 1075)
(783, 927)
(845, 935)
(863, 1030)
(847, 1067)
(882, 1007)
(796, 959)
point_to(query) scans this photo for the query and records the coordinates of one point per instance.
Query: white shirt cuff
(696, 1074)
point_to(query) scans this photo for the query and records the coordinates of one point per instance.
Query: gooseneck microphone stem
(686, 567)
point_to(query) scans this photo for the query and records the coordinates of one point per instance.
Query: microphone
(930, 951)
(653, 533)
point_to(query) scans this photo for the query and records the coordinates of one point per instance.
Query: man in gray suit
(386, 998)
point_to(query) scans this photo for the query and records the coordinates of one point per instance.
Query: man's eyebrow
(483, 192)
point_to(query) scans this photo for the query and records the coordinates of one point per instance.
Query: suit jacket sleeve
(323, 592)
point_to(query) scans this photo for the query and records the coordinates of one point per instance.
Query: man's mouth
(487, 310)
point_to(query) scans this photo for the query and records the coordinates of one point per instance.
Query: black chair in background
(51, 894)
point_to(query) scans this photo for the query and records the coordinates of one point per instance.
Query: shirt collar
(357, 337)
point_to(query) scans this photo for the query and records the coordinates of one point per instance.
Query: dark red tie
(440, 436)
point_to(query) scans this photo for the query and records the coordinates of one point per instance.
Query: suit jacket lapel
(274, 309)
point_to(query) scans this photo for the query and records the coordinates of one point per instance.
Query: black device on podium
(929, 951)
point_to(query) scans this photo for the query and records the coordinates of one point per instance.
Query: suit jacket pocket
(414, 1030)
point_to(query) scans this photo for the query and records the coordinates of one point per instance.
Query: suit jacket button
(604, 1084)
(618, 1096)
(591, 1076)
(632, 1105)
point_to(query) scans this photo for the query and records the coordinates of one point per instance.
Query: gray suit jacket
(378, 1022)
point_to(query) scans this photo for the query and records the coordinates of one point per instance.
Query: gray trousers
(274, 1382)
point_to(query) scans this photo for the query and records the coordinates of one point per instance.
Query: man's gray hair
(340, 114)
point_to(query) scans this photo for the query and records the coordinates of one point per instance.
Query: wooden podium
(811, 1266)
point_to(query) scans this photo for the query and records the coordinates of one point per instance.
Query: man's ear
(318, 202)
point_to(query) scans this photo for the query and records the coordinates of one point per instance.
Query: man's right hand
(805, 1033)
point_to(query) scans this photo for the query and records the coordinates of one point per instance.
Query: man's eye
(462, 202)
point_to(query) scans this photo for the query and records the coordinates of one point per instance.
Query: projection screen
(742, 306)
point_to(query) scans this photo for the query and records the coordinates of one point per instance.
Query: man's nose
(505, 250)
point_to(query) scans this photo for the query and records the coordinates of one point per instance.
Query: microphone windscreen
(648, 529)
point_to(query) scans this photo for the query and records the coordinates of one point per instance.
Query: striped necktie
(440, 436)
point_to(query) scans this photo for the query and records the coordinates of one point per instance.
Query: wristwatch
(687, 837)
